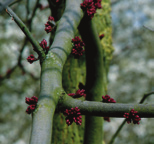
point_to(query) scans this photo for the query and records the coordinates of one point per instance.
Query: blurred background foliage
(130, 74)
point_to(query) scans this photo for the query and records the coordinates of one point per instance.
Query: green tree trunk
(75, 71)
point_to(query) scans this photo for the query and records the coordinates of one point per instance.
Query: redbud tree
(73, 98)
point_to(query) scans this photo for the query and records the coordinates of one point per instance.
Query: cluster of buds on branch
(31, 59)
(79, 93)
(90, 7)
(107, 99)
(132, 116)
(32, 102)
(43, 44)
(78, 44)
(73, 115)
(50, 24)
(48, 28)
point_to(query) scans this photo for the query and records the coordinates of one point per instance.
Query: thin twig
(145, 96)
(20, 64)
(33, 14)
(124, 121)
(23, 27)
(10, 71)
(117, 132)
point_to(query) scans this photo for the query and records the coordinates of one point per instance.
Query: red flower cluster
(132, 116)
(77, 50)
(49, 25)
(73, 115)
(32, 102)
(43, 44)
(31, 59)
(90, 7)
(79, 93)
(107, 99)
(101, 36)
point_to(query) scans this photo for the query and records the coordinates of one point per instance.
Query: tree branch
(23, 27)
(33, 14)
(51, 73)
(117, 132)
(94, 78)
(145, 96)
(10, 71)
(20, 59)
(66, 29)
(105, 109)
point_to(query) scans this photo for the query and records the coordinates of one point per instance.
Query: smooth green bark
(94, 79)
(51, 73)
(106, 109)
(97, 66)
(51, 76)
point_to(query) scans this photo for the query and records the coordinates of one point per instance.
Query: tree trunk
(75, 71)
